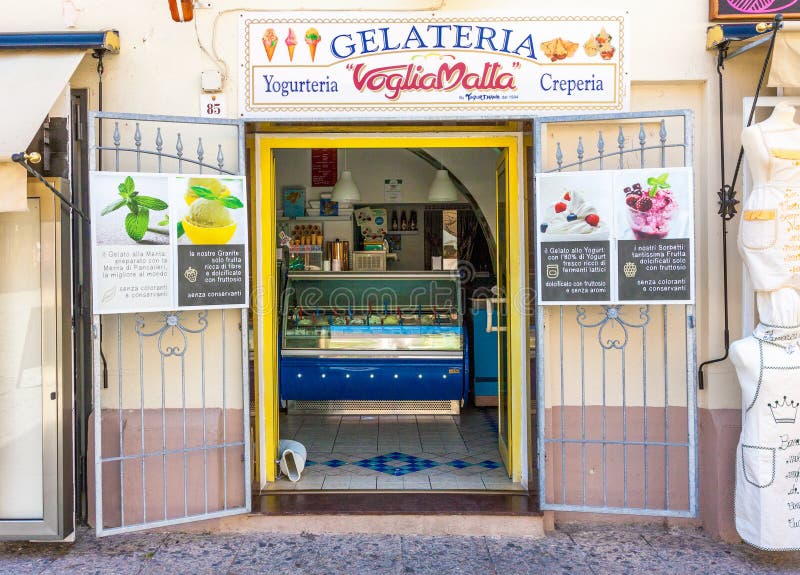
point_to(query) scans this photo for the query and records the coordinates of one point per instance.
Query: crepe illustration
(591, 47)
(312, 38)
(600, 44)
(270, 41)
(558, 49)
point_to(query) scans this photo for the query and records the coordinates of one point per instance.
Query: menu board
(324, 167)
(168, 242)
(615, 236)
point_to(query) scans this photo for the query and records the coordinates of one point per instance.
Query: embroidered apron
(768, 454)
(769, 233)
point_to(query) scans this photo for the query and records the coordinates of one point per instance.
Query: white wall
(158, 71)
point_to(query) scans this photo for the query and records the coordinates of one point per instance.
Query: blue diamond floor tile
(459, 463)
(396, 464)
(489, 464)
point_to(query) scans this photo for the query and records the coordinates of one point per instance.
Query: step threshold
(396, 503)
(387, 513)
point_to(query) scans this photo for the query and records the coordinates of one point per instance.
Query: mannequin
(769, 233)
(755, 151)
(768, 362)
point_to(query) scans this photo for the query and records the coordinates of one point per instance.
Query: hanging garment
(768, 454)
(769, 233)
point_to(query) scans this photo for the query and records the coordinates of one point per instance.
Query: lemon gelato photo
(212, 210)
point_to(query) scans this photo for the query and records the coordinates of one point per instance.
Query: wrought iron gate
(171, 390)
(616, 387)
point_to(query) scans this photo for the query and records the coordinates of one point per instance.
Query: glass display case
(368, 312)
(373, 336)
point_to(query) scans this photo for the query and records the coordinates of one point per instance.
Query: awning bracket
(727, 192)
(23, 160)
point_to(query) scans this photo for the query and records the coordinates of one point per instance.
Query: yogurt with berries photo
(572, 214)
(650, 207)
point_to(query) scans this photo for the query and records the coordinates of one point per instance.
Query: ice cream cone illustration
(270, 41)
(312, 39)
(291, 43)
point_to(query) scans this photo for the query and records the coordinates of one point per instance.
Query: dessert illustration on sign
(591, 47)
(650, 208)
(312, 39)
(558, 49)
(599, 44)
(572, 214)
(291, 43)
(270, 41)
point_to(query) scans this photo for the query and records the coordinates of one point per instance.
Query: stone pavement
(576, 549)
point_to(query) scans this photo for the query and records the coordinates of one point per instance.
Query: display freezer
(372, 339)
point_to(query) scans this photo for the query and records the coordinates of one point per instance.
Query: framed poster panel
(753, 9)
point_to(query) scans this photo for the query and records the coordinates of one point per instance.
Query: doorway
(390, 431)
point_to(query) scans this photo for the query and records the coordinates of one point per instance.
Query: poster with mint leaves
(135, 214)
(166, 242)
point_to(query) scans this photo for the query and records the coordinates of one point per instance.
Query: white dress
(768, 454)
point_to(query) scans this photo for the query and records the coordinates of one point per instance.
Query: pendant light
(345, 191)
(442, 188)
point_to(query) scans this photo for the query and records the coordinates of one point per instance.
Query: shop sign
(168, 242)
(310, 65)
(615, 236)
(753, 9)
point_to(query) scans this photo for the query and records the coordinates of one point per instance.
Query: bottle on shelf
(403, 221)
(395, 225)
(413, 223)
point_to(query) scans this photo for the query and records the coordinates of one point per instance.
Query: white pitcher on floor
(292, 458)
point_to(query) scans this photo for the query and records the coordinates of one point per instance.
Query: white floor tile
(389, 482)
(363, 482)
(336, 482)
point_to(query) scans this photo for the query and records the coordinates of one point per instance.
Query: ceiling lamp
(442, 188)
(345, 191)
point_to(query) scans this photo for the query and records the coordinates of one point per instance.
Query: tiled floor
(414, 452)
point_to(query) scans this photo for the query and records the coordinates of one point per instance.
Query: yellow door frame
(265, 301)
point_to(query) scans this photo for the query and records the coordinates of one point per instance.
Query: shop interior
(387, 360)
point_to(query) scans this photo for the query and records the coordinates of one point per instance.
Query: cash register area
(388, 373)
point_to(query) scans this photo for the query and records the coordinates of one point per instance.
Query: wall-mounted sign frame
(750, 10)
(615, 236)
(380, 65)
(164, 242)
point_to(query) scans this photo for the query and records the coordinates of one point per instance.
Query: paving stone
(524, 556)
(24, 558)
(274, 554)
(446, 555)
(195, 553)
(616, 551)
(356, 554)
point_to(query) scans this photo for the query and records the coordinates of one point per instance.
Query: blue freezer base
(325, 379)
